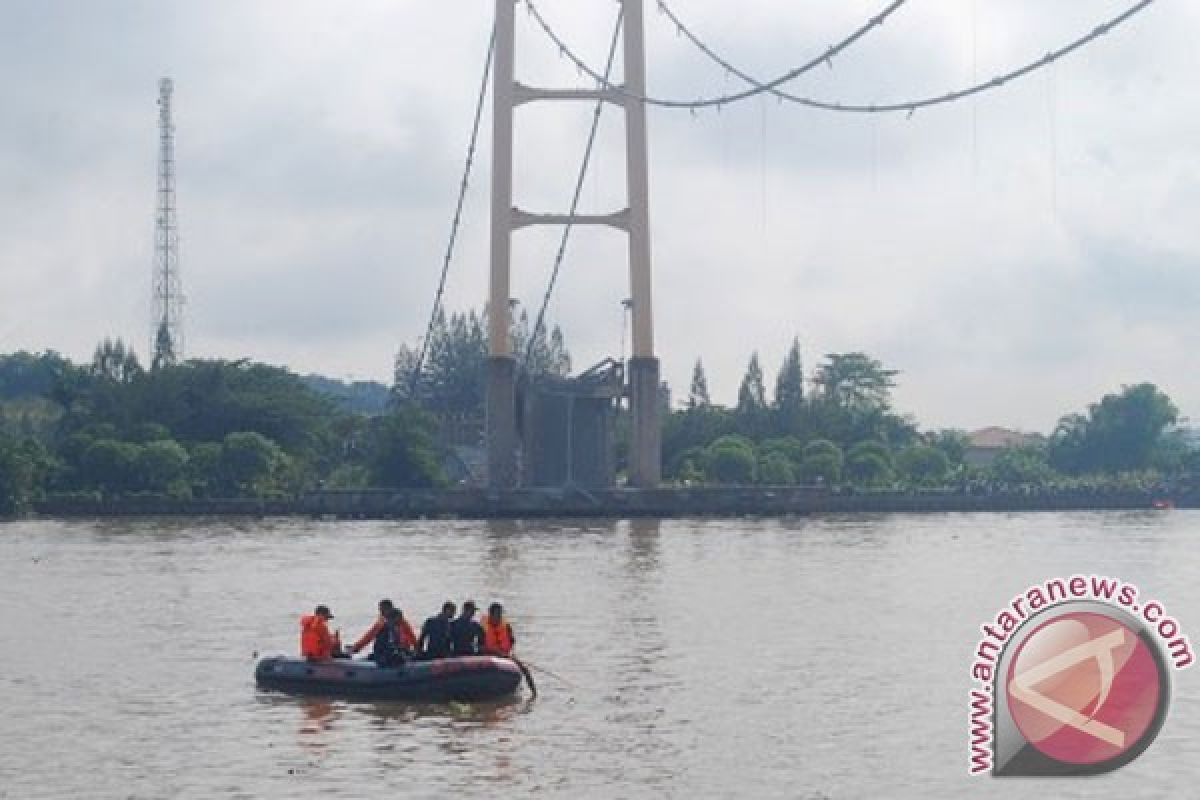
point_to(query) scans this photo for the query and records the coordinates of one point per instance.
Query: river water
(817, 657)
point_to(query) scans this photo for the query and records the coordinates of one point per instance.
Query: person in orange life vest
(408, 637)
(316, 642)
(498, 638)
(391, 634)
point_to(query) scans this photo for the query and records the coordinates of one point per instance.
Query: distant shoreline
(672, 502)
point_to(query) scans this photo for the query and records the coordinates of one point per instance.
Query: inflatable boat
(463, 679)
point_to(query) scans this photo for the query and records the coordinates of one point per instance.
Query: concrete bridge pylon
(645, 467)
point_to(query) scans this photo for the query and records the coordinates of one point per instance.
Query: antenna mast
(168, 288)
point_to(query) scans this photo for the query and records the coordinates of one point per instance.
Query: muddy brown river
(820, 657)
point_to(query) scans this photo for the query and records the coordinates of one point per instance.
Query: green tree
(789, 447)
(850, 402)
(164, 348)
(731, 459)
(789, 384)
(25, 374)
(1120, 433)
(776, 469)
(690, 430)
(953, 443)
(691, 471)
(869, 463)
(349, 476)
(410, 381)
(162, 465)
(822, 462)
(453, 377)
(250, 463)
(855, 381)
(402, 451)
(110, 465)
(752, 394)
(17, 477)
(1174, 452)
(752, 415)
(146, 432)
(698, 392)
(204, 470)
(30, 418)
(545, 356)
(115, 362)
(1021, 466)
(923, 465)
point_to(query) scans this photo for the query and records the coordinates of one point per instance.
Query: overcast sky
(1015, 256)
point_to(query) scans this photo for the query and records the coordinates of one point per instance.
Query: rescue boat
(462, 679)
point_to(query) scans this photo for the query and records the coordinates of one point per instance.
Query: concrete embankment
(687, 502)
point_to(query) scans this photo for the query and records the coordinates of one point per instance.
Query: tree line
(220, 429)
(199, 429)
(838, 427)
(217, 428)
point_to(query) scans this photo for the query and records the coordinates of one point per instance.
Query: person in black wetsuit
(435, 641)
(466, 635)
(385, 636)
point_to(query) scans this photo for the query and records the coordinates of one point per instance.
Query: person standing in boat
(435, 641)
(498, 638)
(391, 637)
(316, 641)
(466, 635)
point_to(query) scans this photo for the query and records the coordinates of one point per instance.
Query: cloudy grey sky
(1014, 256)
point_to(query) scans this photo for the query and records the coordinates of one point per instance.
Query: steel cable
(456, 222)
(790, 75)
(827, 105)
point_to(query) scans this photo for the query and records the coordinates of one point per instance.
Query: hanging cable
(770, 86)
(757, 86)
(414, 379)
(579, 181)
(826, 105)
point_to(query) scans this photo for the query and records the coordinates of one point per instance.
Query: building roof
(995, 438)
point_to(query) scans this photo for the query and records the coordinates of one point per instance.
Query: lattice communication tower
(168, 286)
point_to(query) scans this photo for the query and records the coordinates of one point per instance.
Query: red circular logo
(1084, 688)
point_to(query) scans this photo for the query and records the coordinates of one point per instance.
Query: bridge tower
(167, 345)
(643, 368)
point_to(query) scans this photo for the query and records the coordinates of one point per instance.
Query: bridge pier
(502, 422)
(645, 460)
(645, 451)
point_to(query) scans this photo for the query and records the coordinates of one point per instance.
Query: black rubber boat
(464, 679)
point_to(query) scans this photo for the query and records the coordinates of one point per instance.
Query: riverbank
(667, 503)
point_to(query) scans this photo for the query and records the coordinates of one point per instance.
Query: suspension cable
(1046, 60)
(827, 105)
(456, 222)
(583, 168)
(721, 100)
(761, 86)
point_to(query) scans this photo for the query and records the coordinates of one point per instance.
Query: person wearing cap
(316, 642)
(435, 641)
(466, 635)
(498, 638)
(391, 636)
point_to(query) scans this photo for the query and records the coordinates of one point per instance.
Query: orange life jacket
(404, 634)
(407, 637)
(316, 642)
(497, 637)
